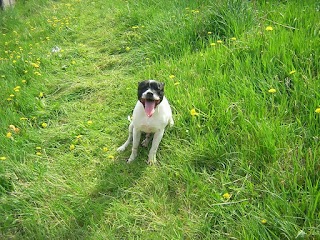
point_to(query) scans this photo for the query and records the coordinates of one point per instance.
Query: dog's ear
(161, 85)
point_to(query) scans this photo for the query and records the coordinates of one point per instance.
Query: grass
(243, 164)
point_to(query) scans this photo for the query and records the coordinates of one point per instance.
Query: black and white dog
(151, 114)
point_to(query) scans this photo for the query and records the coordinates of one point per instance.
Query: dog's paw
(129, 161)
(152, 161)
(121, 149)
(145, 143)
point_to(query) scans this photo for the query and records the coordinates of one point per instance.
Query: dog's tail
(171, 122)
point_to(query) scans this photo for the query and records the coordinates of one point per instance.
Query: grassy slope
(260, 148)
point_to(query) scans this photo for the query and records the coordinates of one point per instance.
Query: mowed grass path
(241, 161)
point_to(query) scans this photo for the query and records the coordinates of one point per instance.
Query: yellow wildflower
(176, 83)
(72, 147)
(105, 149)
(269, 28)
(209, 33)
(35, 65)
(38, 153)
(292, 72)
(193, 112)
(44, 125)
(212, 44)
(128, 49)
(38, 148)
(219, 41)
(23, 118)
(264, 221)
(89, 122)
(233, 39)
(135, 27)
(226, 196)
(172, 76)
(317, 110)
(111, 157)
(272, 90)
(24, 81)
(41, 95)
(9, 135)
(17, 89)
(3, 158)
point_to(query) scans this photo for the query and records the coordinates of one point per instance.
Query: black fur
(156, 89)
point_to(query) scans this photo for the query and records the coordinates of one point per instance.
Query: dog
(151, 114)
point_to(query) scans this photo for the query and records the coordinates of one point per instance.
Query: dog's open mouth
(149, 106)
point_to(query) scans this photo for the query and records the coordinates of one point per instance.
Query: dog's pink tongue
(149, 107)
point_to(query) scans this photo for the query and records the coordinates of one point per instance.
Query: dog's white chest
(158, 121)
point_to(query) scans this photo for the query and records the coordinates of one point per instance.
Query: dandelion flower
(317, 110)
(38, 148)
(212, 44)
(3, 158)
(128, 49)
(105, 149)
(209, 33)
(226, 196)
(41, 95)
(72, 147)
(44, 125)
(23, 118)
(219, 41)
(135, 27)
(269, 28)
(38, 153)
(272, 90)
(89, 122)
(233, 39)
(292, 72)
(9, 135)
(264, 221)
(35, 65)
(111, 157)
(17, 89)
(193, 112)
(172, 76)
(24, 81)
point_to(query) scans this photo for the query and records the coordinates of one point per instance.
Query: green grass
(246, 166)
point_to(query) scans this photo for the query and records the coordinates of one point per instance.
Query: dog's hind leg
(126, 144)
(146, 141)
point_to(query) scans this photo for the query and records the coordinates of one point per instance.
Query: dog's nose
(149, 94)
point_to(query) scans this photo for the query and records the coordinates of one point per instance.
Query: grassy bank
(241, 161)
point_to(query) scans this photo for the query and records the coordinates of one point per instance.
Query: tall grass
(241, 161)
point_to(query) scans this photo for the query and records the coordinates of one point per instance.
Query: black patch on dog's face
(150, 90)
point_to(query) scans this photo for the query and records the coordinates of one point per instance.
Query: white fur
(154, 124)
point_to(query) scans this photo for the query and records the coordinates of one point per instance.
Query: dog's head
(150, 94)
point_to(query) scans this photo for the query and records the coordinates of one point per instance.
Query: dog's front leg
(135, 144)
(155, 144)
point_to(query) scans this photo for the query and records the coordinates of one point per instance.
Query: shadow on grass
(114, 179)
